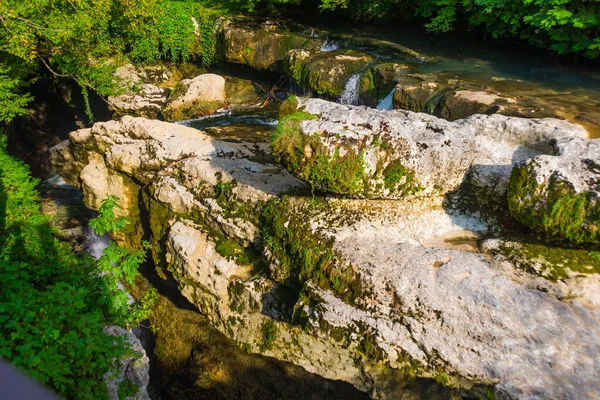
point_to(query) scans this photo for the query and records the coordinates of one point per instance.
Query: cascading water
(386, 102)
(350, 94)
(329, 45)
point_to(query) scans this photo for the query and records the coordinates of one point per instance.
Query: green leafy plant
(54, 303)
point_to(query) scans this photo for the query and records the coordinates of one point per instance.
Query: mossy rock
(340, 170)
(325, 73)
(554, 207)
(378, 81)
(260, 48)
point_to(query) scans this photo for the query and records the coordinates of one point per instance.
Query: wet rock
(419, 93)
(557, 195)
(262, 47)
(325, 73)
(197, 97)
(243, 92)
(379, 80)
(132, 370)
(362, 152)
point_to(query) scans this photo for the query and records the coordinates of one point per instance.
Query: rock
(383, 281)
(378, 81)
(562, 272)
(419, 93)
(183, 168)
(141, 98)
(372, 292)
(557, 195)
(133, 370)
(242, 92)
(325, 73)
(197, 97)
(262, 47)
(361, 152)
(448, 97)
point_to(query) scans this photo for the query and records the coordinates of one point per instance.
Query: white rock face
(384, 285)
(141, 98)
(437, 152)
(196, 97)
(133, 368)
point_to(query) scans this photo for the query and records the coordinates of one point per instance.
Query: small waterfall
(94, 243)
(386, 102)
(329, 45)
(350, 94)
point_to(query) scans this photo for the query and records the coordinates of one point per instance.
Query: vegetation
(554, 208)
(307, 157)
(86, 40)
(54, 304)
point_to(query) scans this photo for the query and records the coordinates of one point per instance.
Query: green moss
(398, 178)
(289, 106)
(308, 158)
(300, 255)
(550, 261)
(269, 333)
(232, 250)
(127, 389)
(554, 208)
(442, 378)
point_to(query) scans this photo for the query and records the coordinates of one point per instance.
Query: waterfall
(386, 102)
(329, 45)
(350, 93)
(94, 243)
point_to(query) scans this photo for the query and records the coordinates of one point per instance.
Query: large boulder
(361, 152)
(261, 46)
(558, 195)
(325, 73)
(197, 97)
(372, 292)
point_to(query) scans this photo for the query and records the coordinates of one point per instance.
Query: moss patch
(551, 262)
(300, 255)
(554, 208)
(307, 157)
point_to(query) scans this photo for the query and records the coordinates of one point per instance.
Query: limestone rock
(362, 152)
(390, 286)
(378, 81)
(557, 195)
(134, 369)
(262, 47)
(325, 73)
(141, 98)
(202, 95)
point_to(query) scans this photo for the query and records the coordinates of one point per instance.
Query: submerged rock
(558, 195)
(361, 152)
(197, 97)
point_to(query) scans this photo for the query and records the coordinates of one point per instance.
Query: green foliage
(86, 40)
(12, 101)
(54, 304)
(127, 389)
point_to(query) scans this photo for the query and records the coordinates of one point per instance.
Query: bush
(54, 304)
